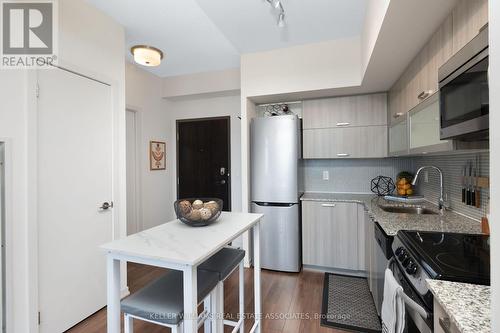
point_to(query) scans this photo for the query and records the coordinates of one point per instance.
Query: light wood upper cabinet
(361, 110)
(434, 54)
(395, 96)
(350, 142)
(469, 16)
(420, 79)
(330, 234)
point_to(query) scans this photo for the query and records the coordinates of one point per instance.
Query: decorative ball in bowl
(198, 212)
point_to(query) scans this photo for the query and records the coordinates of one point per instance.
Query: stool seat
(163, 299)
(223, 262)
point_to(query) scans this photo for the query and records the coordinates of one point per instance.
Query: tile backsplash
(452, 167)
(354, 176)
(350, 175)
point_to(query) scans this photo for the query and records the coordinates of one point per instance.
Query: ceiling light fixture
(277, 4)
(146, 55)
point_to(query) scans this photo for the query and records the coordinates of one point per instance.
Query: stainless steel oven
(414, 321)
(464, 91)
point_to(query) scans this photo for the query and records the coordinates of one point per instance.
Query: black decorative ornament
(382, 185)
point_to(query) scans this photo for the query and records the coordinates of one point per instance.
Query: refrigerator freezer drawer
(280, 237)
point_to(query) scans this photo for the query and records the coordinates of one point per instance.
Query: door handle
(343, 155)
(222, 171)
(424, 94)
(343, 124)
(328, 205)
(106, 205)
(397, 115)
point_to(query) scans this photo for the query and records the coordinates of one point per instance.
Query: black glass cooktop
(451, 256)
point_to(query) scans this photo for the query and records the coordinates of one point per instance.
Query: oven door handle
(408, 301)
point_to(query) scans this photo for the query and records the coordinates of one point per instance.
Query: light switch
(326, 175)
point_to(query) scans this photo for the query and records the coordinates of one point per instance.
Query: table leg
(256, 268)
(190, 299)
(113, 309)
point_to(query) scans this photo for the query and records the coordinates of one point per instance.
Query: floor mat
(348, 304)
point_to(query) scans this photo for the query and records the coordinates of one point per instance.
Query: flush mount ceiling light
(277, 4)
(146, 55)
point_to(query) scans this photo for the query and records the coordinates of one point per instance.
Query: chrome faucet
(441, 203)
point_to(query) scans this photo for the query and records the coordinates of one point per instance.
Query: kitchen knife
(478, 189)
(468, 199)
(473, 185)
(464, 173)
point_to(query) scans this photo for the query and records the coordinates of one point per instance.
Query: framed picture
(157, 155)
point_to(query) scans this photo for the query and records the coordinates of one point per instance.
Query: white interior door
(74, 179)
(132, 216)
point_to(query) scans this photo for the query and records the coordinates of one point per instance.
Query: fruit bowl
(198, 212)
(403, 184)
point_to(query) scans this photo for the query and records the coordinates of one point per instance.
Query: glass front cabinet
(417, 132)
(398, 137)
(424, 128)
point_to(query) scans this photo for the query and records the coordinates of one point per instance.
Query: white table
(174, 245)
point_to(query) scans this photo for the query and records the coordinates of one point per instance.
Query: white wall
(375, 13)
(204, 107)
(13, 130)
(308, 67)
(144, 95)
(225, 81)
(85, 48)
(494, 26)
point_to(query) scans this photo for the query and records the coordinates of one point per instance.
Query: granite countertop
(393, 222)
(468, 305)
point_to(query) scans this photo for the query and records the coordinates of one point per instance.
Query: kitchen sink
(408, 210)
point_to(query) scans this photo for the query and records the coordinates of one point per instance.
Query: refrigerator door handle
(274, 204)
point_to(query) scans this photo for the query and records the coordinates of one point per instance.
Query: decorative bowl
(198, 212)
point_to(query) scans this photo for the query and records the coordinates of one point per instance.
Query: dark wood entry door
(203, 159)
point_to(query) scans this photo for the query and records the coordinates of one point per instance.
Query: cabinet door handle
(343, 124)
(328, 205)
(343, 155)
(424, 94)
(397, 115)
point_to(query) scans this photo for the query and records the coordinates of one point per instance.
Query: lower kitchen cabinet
(349, 142)
(442, 322)
(330, 235)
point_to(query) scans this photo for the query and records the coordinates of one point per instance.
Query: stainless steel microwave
(464, 92)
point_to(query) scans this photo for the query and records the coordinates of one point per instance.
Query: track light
(281, 20)
(277, 4)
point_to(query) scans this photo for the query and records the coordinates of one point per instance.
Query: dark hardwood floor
(291, 302)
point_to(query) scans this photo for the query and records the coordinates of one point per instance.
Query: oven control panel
(410, 267)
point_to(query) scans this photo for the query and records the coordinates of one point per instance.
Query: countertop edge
(462, 327)
(391, 223)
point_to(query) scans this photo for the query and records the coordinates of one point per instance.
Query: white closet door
(74, 179)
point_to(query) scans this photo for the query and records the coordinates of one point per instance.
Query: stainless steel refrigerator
(275, 151)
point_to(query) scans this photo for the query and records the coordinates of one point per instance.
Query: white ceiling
(205, 35)
(251, 25)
